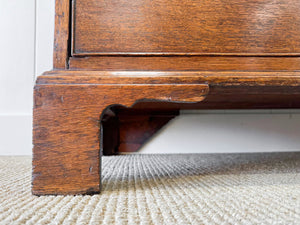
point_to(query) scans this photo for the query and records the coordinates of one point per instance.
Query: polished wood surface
(183, 63)
(67, 129)
(61, 34)
(285, 79)
(123, 68)
(231, 90)
(161, 27)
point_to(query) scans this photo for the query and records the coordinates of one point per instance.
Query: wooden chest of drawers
(123, 68)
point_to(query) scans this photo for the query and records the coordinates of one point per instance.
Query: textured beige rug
(165, 189)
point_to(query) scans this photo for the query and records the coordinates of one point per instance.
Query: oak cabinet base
(151, 59)
(68, 132)
(71, 107)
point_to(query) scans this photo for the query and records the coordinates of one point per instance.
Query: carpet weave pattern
(165, 189)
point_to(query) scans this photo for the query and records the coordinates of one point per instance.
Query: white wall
(17, 44)
(26, 42)
(45, 10)
(229, 131)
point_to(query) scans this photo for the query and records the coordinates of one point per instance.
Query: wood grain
(285, 79)
(214, 27)
(69, 104)
(136, 127)
(127, 129)
(184, 63)
(154, 57)
(67, 135)
(61, 34)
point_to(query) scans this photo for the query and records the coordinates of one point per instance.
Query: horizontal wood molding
(122, 54)
(185, 63)
(228, 89)
(213, 78)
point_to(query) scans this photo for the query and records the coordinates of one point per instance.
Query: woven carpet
(165, 189)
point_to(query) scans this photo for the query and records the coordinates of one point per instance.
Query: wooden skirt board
(123, 68)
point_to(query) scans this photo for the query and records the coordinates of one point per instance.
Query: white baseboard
(218, 131)
(16, 134)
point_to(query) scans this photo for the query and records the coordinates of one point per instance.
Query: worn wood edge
(213, 78)
(61, 34)
(44, 192)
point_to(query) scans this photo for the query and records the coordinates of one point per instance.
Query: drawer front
(189, 27)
